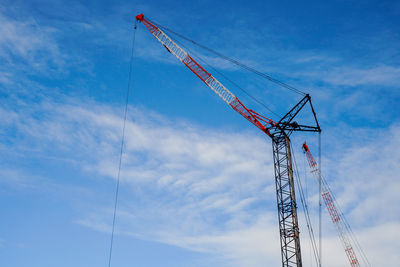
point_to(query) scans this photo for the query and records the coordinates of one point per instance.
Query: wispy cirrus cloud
(193, 181)
(25, 42)
(30, 45)
(194, 187)
(384, 75)
(188, 185)
(366, 172)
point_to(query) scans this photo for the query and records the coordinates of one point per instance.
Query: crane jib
(196, 68)
(259, 121)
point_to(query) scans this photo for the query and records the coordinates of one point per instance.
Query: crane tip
(305, 147)
(140, 17)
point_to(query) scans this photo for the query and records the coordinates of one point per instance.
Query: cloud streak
(199, 188)
(27, 42)
(190, 186)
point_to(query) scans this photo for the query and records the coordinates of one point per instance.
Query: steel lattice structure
(331, 207)
(279, 132)
(287, 207)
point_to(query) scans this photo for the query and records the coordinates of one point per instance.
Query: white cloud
(26, 40)
(202, 189)
(380, 75)
(365, 176)
(336, 71)
(192, 178)
(187, 185)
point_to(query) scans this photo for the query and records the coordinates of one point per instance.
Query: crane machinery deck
(279, 132)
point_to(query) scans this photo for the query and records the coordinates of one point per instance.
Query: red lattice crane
(333, 212)
(279, 132)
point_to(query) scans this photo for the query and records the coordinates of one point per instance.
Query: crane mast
(333, 212)
(279, 132)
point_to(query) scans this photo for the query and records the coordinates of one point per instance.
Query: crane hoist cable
(319, 201)
(122, 145)
(303, 201)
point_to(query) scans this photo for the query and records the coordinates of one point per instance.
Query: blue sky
(197, 184)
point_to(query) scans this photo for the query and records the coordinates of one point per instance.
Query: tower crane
(336, 216)
(279, 132)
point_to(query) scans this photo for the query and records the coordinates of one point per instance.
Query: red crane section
(258, 120)
(333, 212)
